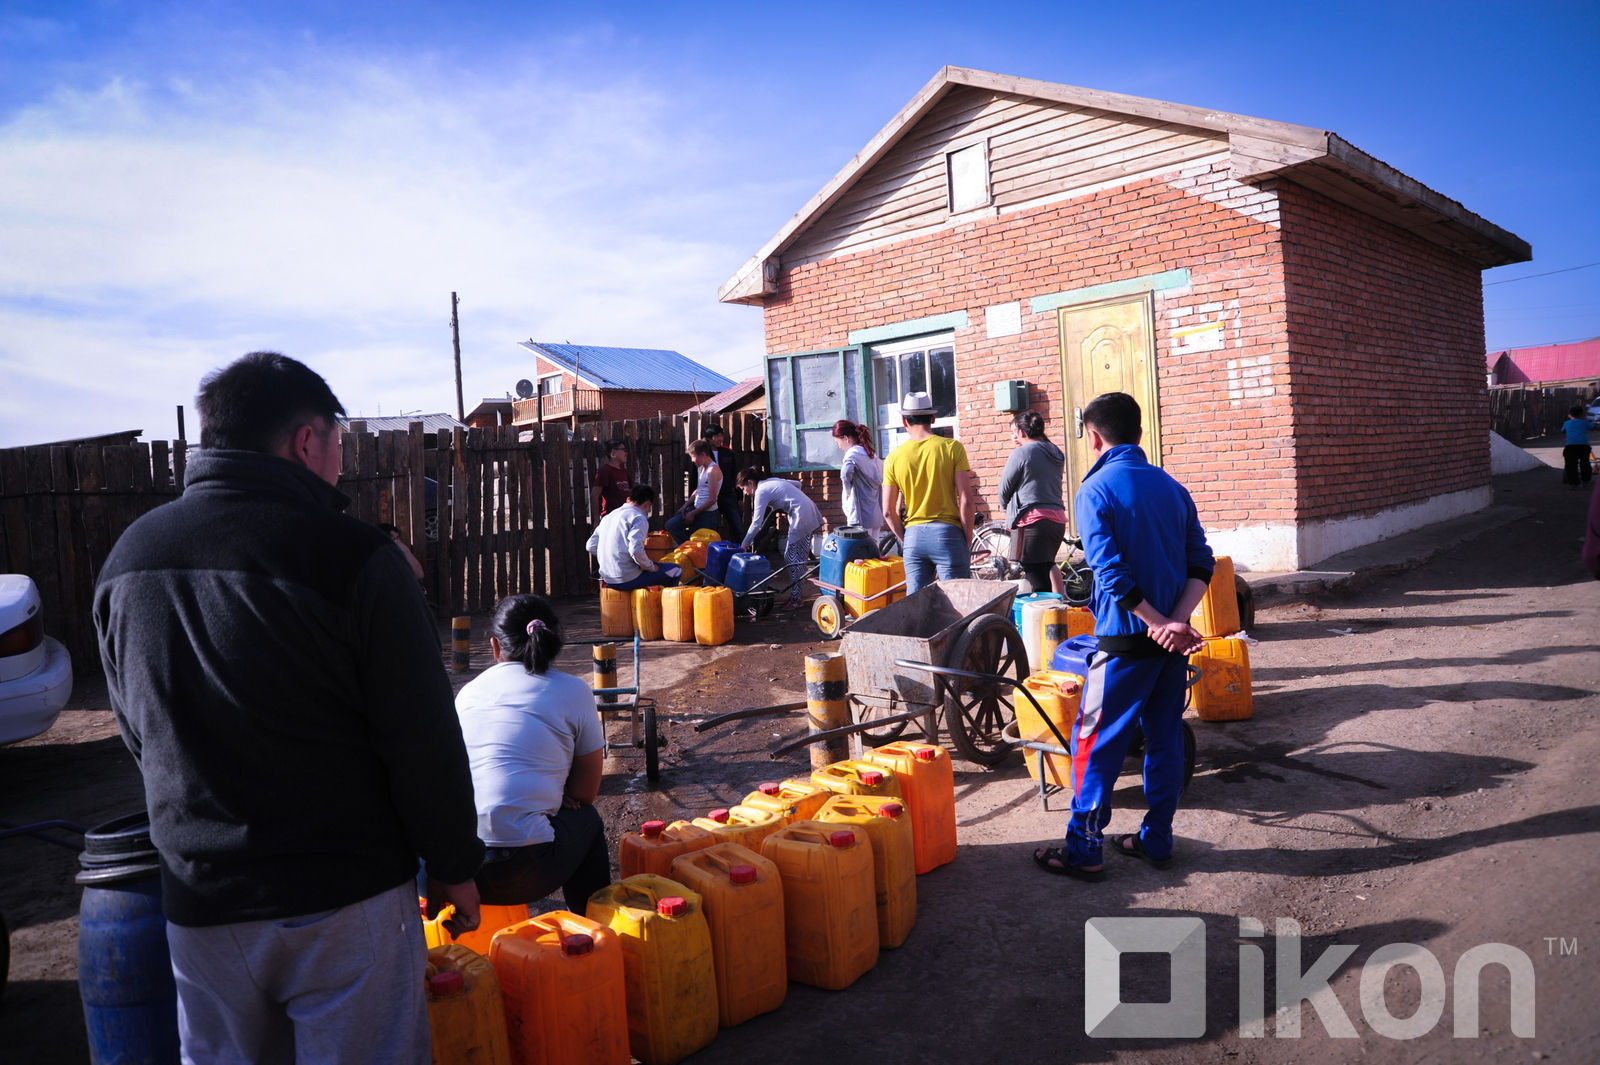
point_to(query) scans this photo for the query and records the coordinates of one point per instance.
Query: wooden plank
(77, 584)
(93, 502)
(14, 511)
(160, 467)
(492, 575)
(387, 466)
(539, 539)
(472, 455)
(366, 507)
(416, 505)
(41, 531)
(123, 507)
(555, 555)
(516, 521)
(180, 463)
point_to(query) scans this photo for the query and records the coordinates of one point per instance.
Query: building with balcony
(578, 383)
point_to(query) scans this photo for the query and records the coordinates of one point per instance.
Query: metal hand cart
(893, 660)
(641, 711)
(964, 624)
(831, 614)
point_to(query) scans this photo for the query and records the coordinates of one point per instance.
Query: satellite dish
(524, 388)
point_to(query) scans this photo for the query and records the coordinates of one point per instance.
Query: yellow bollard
(605, 669)
(460, 644)
(827, 706)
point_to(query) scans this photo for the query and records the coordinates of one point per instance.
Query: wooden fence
(1526, 412)
(61, 509)
(487, 513)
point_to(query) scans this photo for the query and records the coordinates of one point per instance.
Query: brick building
(577, 383)
(1286, 308)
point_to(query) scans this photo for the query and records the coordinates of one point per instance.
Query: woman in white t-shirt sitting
(537, 752)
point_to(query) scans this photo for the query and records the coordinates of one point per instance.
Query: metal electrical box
(1011, 396)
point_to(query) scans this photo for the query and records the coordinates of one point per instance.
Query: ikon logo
(1183, 939)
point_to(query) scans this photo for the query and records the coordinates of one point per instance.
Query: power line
(1530, 277)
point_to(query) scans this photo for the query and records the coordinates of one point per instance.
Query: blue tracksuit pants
(1117, 694)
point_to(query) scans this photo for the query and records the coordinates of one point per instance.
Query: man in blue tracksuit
(1151, 565)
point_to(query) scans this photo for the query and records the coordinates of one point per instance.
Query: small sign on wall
(1196, 338)
(1003, 320)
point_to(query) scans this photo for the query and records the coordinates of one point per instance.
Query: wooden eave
(1258, 149)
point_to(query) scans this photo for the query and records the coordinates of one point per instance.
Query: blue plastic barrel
(130, 1003)
(717, 555)
(844, 545)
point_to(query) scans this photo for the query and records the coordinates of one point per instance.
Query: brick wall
(1225, 415)
(620, 405)
(1386, 361)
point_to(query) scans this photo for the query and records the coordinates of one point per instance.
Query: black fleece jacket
(276, 674)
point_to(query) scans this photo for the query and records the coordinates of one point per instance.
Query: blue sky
(181, 183)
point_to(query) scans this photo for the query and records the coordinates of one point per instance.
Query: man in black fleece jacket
(276, 674)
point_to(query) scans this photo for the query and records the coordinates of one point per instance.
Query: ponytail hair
(859, 433)
(1030, 423)
(528, 630)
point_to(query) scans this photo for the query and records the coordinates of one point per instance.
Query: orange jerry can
(656, 844)
(744, 825)
(465, 1014)
(616, 613)
(743, 900)
(793, 800)
(667, 968)
(677, 614)
(490, 920)
(928, 785)
(1218, 612)
(713, 616)
(1060, 624)
(561, 980)
(658, 545)
(856, 777)
(830, 908)
(1058, 694)
(894, 874)
(1223, 693)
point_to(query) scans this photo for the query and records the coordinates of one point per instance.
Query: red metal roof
(1551, 362)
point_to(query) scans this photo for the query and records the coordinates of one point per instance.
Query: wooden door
(1107, 346)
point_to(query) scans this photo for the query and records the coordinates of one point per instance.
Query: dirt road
(1421, 768)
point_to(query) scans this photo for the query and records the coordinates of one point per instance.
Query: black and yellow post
(605, 669)
(460, 644)
(828, 706)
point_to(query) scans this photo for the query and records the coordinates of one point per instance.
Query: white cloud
(156, 230)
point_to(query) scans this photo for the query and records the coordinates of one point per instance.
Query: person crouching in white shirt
(618, 545)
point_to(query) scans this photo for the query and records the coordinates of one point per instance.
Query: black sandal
(1132, 846)
(1058, 855)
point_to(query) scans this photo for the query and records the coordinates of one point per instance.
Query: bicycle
(991, 560)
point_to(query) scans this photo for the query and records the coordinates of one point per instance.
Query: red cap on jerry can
(577, 943)
(771, 787)
(925, 754)
(447, 983)
(719, 815)
(891, 809)
(846, 838)
(672, 906)
(742, 874)
(653, 829)
(871, 776)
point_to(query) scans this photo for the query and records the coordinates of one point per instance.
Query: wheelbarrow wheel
(827, 614)
(652, 742)
(866, 710)
(977, 712)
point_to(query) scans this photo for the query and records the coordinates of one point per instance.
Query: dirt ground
(1420, 768)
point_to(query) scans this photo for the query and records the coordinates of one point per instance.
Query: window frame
(981, 144)
(776, 417)
(897, 349)
(545, 377)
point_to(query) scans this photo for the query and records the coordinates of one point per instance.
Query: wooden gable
(1037, 150)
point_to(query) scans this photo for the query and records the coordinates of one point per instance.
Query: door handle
(1077, 422)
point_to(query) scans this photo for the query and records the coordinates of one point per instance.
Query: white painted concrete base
(1278, 548)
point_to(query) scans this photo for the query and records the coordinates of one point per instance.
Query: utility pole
(455, 339)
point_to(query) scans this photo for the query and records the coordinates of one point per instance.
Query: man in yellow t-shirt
(930, 475)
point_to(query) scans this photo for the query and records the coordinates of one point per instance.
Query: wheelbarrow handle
(967, 674)
(748, 712)
(806, 739)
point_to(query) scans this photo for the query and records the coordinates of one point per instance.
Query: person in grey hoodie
(1030, 490)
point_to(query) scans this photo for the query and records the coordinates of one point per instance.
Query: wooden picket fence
(1527, 412)
(487, 513)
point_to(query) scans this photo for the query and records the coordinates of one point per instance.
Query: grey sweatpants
(340, 986)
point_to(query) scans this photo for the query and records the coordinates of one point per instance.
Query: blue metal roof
(646, 369)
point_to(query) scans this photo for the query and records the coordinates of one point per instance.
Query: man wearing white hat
(930, 476)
